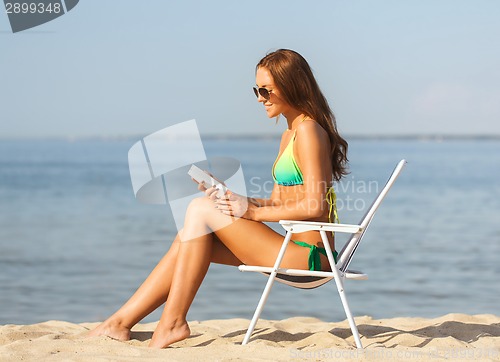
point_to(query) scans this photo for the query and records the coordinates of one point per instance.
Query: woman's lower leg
(149, 296)
(193, 260)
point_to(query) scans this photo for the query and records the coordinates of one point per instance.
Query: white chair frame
(339, 270)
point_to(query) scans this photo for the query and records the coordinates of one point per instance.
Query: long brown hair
(298, 87)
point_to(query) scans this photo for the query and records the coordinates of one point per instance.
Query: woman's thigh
(255, 243)
(251, 242)
(222, 255)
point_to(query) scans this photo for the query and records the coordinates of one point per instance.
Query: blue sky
(122, 68)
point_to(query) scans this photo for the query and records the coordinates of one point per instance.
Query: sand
(451, 337)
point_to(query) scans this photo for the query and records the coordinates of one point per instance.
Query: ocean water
(75, 244)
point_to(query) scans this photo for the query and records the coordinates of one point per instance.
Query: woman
(312, 155)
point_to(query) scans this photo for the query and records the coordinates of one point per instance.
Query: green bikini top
(286, 172)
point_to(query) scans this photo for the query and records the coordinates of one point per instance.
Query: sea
(75, 243)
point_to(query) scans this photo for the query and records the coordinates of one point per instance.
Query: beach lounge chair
(307, 279)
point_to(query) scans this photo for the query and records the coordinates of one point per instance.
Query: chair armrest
(302, 226)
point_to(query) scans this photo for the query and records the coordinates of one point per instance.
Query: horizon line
(262, 136)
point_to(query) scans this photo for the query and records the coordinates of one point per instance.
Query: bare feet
(111, 329)
(164, 336)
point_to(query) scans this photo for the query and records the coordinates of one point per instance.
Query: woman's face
(275, 105)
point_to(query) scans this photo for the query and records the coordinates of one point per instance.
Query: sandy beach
(450, 337)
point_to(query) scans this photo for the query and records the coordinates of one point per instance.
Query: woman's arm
(273, 200)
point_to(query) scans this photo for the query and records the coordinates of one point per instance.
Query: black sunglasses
(265, 93)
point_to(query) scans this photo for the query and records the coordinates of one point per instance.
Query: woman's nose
(260, 98)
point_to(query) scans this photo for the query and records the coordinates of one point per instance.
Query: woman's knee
(201, 213)
(196, 220)
(200, 205)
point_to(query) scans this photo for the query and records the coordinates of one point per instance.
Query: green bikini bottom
(314, 261)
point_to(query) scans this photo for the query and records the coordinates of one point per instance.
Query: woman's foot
(164, 336)
(111, 329)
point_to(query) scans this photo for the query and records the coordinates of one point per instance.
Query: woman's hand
(210, 192)
(234, 205)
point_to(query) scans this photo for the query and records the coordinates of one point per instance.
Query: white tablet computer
(201, 176)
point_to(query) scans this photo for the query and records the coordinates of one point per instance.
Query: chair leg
(267, 289)
(260, 306)
(352, 324)
(340, 289)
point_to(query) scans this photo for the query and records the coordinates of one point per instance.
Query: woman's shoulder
(312, 143)
(309, 130)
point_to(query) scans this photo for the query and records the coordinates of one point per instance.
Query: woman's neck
(294, 119)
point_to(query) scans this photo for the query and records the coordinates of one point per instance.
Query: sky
(125, 68)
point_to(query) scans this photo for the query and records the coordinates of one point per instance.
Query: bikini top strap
(331, 199)
(295, 131)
